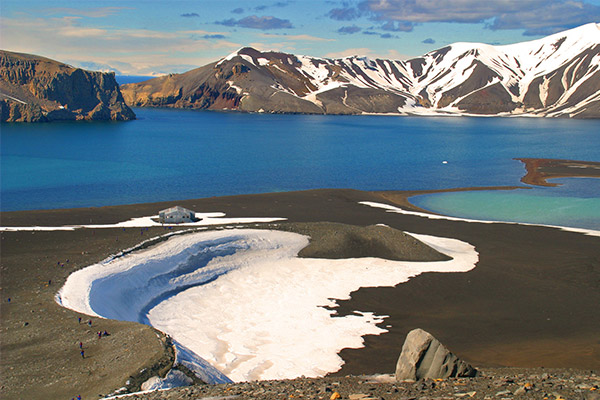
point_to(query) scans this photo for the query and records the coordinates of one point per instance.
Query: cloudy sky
(151, 37)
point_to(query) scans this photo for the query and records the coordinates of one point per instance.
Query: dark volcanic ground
(532, 300)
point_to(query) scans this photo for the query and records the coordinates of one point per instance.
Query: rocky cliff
(37, 89)
(557, 76)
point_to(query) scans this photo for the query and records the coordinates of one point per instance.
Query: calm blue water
(177, 154)
(123, 79)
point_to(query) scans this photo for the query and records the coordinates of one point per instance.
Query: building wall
(175, 217)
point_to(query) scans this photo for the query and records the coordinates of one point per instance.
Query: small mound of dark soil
(335, 240)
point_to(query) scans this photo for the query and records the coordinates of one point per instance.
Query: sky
(155, 37)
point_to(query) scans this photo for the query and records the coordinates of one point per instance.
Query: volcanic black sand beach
(531, 301)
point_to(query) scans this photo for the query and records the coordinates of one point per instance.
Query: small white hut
(176, 215)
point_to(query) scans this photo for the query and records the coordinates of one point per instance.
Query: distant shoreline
(539, 170)
(400, 197)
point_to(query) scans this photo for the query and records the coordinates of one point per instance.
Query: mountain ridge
(556, 76)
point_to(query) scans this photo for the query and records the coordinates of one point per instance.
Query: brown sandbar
(539, 170)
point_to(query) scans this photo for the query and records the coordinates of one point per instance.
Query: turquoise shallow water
(555, 206)
(177, 154)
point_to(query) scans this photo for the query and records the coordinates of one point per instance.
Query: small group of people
(89, 322)
(100, 334)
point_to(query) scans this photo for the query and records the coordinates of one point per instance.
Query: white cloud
(71, 31)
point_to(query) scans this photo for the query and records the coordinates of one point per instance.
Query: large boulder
(423, 356)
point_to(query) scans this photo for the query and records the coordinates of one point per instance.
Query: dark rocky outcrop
(37, 89)
(491, 99)
(423, 357)
(234, 84)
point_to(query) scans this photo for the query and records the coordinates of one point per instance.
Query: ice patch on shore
(176, 378)
(398, 210)
(243, 301)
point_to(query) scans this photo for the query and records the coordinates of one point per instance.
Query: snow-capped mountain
(557, 76)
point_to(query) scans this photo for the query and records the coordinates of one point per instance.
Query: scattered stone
(520, 390)
(363, 388)
(592, 395)
(423, 356)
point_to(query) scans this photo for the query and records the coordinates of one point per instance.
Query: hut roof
(176, 208)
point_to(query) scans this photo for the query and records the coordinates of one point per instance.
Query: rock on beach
(423, 356)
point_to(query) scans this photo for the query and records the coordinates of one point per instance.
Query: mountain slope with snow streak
(556, 76)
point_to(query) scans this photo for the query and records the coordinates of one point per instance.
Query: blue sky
(152, 37)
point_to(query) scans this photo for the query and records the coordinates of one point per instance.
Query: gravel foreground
(502, 383)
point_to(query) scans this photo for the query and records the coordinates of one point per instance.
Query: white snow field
(243, 301)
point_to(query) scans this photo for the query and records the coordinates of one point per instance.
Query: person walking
(82, 354)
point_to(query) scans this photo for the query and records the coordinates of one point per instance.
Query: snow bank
(203, 219)
(243, 301)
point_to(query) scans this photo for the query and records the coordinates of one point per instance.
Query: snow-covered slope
(555, 76)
